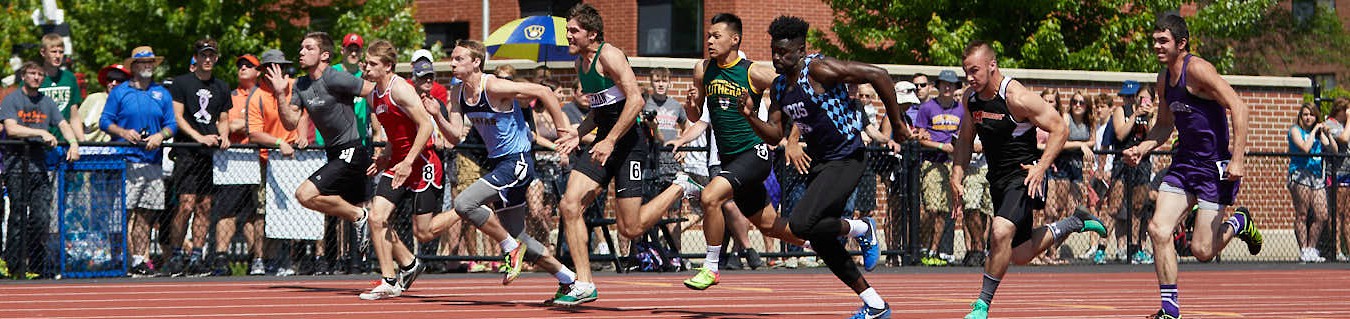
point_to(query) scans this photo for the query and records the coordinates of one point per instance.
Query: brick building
(668, 28)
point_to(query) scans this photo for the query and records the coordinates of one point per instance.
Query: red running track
(1204, 294)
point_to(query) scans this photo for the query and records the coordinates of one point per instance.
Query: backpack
(651, 256)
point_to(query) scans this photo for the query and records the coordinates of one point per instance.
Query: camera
(649, 115)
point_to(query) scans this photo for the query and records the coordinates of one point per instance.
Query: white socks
(714, 256)
(565, 276)
(509, 244)
(856, 227)
(872, 299)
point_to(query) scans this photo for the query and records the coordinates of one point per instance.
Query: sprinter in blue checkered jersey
(813, 91)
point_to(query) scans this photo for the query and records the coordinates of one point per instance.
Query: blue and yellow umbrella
(535, 38)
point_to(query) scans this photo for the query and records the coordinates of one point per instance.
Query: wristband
(278, 143)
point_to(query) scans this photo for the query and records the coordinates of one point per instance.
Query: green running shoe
(1250, 234)
(703, 279)
(562, 291)
(978, 310)
(1162, 315)
(576, 296)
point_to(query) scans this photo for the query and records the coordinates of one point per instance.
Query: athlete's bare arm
(829, 72)
(503, 90)
(615, 65)
(1210, 85)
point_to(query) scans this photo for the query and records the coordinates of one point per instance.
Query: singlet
(401, 132)
(828, 121)
(723, 87)
(1007, 143)
(607, 102)
(1202, 124)
(503, 132)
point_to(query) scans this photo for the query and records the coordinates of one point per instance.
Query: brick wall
(621, 23)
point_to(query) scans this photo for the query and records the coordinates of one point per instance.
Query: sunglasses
(1078, 102)
(245, 65)
(922, 85)
(870, 96)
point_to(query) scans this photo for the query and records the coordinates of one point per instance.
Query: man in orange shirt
(239, 200)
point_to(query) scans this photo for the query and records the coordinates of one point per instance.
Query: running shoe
(703, 279)
(872, 313)
(1099, 257)
(1250, 234)
(868, 242)
(258, 268)
(978, 310)
(362, 231)
(578, 295)
(406, 278)
(753, 259)
(1090, 222)
(381, 291)
(562, 291)
(692, 189)
(515, 259)
(1162, 315)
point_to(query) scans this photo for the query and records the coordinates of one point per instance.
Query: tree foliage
(105, 31)
(1110, 35)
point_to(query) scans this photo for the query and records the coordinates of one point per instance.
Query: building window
(672, 28)
(446, 34)
(557, 8)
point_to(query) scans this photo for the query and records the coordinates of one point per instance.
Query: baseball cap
(422, 68)
(113, 72)
(253, 60)
(352, 38)
(422, 54)
(1131, 87)
(203, 46)
(904, 92)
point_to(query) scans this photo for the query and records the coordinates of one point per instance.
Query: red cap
(352, 38)
(250, 58)
(103, 73)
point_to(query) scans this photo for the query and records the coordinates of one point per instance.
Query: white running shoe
(691, 188)
(383, 290)
(362, 231)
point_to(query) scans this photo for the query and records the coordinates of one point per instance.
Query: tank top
(1307, 164)
(401, 132)
(828, 121)
(1078, 132)
(1202, 124)
(1007, 143)
(607, 102)
(503, 132)
(723, 86)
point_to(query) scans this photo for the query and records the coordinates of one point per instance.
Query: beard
(147, 73)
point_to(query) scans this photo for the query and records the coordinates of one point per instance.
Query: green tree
(19, 29)
(105, 31)
(1111, 35)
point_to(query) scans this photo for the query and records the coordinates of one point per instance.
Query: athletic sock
(509, 244)
(409, 267)
(856, 227)
(1066, 226)
(391, 281)
(565, 276)
(714, 256)
(1236, 223)
(137, 260)
(872, 299)
(990, 286)
(1169, 300)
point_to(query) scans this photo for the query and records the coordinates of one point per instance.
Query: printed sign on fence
(286, 219)
(236, 167)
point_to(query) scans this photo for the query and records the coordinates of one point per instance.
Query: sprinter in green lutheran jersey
(727, 81)
(607, 80)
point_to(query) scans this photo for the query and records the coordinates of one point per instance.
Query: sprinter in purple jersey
(1204, 172)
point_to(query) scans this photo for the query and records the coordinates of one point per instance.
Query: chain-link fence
(232, 212)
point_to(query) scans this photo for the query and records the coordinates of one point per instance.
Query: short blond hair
(476, 50)
(384, 51)
(51, 40)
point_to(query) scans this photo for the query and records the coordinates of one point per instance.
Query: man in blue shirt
(140, 111)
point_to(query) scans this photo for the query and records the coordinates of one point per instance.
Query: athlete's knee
(631, 230)
(1002, 233)
(570, 207)
(1160, 232)
(424, 235)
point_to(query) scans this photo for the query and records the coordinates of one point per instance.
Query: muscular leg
(581, 191)
(381, 236)
(630, 225)
(332, 205)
